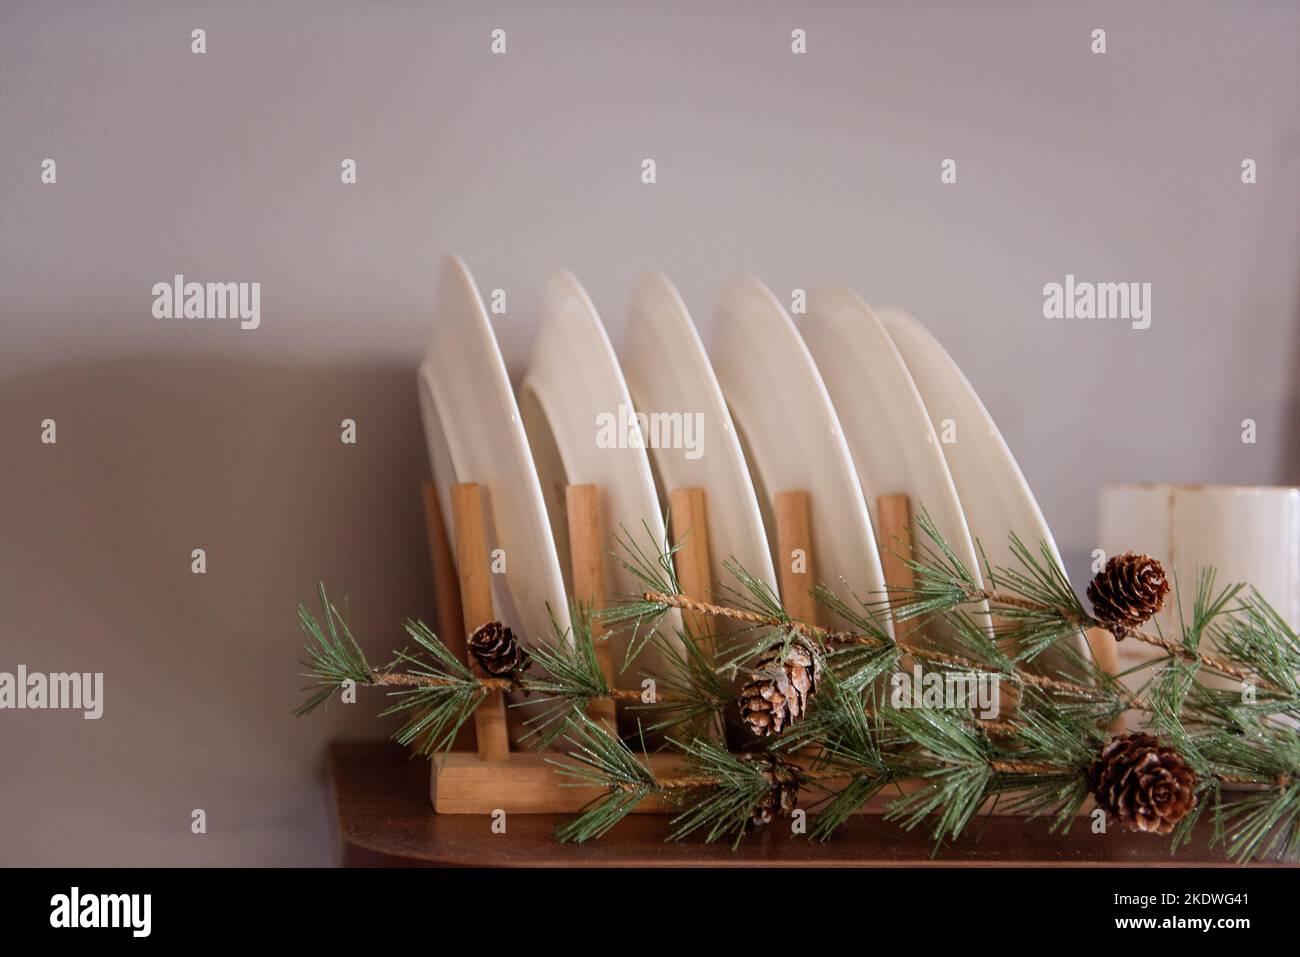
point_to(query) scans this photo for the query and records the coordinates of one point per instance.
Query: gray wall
(174, 435)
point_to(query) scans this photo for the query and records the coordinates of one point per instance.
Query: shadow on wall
(1290, 465)
(154, 458)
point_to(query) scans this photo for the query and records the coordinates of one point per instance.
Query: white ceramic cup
(1249, 534)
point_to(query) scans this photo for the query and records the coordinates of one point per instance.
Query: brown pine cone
(1147, 786)
(782, 797)
(1127, 592)
(777, 695)
(497, 651)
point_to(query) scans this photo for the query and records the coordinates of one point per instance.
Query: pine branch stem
(1172, 648)
(1210, 661)
(806, 775)
(1280, 781)
(407, 679)
(846, 637)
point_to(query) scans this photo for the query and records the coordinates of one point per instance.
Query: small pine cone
(778, 693)
(1127, 592)
(782, 798)
(1147, 786)
(497, 651)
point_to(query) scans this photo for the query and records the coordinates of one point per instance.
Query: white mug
(1249, 534)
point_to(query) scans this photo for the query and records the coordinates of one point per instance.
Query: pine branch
(437, 694)
(848, 638)
(1263, 824)
(850, 743)
(600, 758)
(689, 694)
(654, 569)
(573, 676)
(1054, 736)
(753, 594)
(1036, 598)
(334, 658)
(1257, 636)
(720, 800)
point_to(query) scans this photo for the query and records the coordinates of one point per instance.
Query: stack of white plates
(850, 405)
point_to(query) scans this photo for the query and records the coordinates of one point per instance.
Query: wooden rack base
(525, 783)
(528, 783)
(383, 819)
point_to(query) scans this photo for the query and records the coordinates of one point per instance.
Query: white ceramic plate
(791, 434)
(475, 434)
(668, 371)
(576, 410)
(888, 431)
(994, 494)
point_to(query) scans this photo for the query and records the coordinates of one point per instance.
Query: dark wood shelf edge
(383, 819)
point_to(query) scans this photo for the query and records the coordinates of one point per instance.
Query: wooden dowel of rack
(446, 592)
(794, 554)
(894, 537)
(582, 504)
(446, 587)
(476, 609)
(690, 531)
(1105, 650)
(894, 542)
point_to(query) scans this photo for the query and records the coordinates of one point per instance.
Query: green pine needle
(572, 677)
(690, 693)
(334, 657)
(601, 759)
(722, 807)
(435, 712)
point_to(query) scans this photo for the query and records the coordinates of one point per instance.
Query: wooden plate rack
(484, 774)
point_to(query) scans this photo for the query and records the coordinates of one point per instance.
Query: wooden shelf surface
(381, 804)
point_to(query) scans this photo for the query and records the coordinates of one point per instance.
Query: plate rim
(656, 285)
(895, 316)
(746, 285)
(563, 282)
(452, 268)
